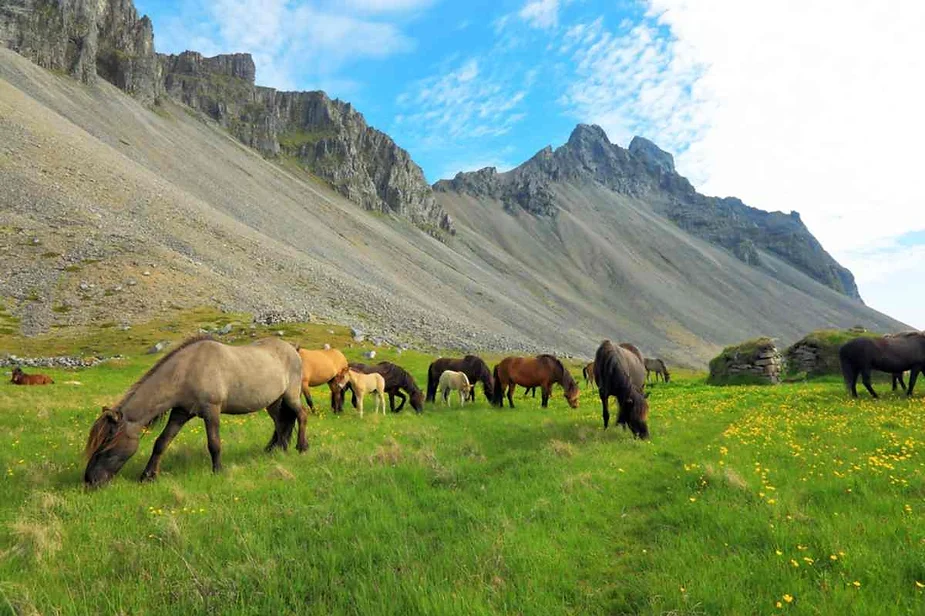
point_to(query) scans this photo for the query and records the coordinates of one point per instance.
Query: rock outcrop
(85, 39)
(756, 361)
(105, 38)
(327, 137)
(646, 172)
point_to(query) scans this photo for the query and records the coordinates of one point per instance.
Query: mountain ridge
(645, 171)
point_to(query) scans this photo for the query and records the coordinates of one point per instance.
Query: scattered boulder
(369, 354)
(327, 347)
(754, 361)
(157, 348)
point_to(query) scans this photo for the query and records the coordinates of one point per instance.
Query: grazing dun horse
(620, 372)
(475, 368)
(362, 384)
(451, 380)
(200, 378)
(21, 378)
(320, 367)
(658, 367)
(541, 371)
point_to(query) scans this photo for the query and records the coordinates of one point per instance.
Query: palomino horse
(620, 372)
(21, 378)
(320, 367)
(588, 373)
(475, 368)
(363, 384)
(540, 371)
(893, 354)
(396, 380)
(454, 381)
(199, 378)
(658, 367)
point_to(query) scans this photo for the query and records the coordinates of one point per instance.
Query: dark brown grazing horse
(396, 379)
(200, 378)
(472, 366)
(617, 374)
(588, 373)
(541, 371)
(21, 378)
(893, 354)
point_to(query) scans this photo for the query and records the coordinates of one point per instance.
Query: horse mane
(607, 365)
(909, 334)
(134, 388)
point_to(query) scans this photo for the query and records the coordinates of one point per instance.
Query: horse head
(417, 401)
(341, 379)
(637, 403)
(17, 374)
(112, 441)
(572, 394)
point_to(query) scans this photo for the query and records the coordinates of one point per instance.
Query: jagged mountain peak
(646, 150)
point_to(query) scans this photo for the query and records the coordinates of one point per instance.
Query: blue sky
(787, 105)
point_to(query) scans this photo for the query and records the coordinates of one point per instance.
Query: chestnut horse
(21, 378)
(541, 371)
(473, 366)
(320, 367)
(199, 378)
(619, 372)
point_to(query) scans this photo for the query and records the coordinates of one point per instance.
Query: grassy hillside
(749, 500)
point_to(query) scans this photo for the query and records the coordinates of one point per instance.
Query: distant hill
(133, 183)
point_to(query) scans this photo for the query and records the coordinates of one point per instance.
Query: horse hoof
(147, 477)
(302, 448)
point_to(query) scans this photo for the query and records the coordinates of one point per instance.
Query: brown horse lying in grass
(21, 378)
(620, 372)
(320, 367)
(200, 378)
(541, 371)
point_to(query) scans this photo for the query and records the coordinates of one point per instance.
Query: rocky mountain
(191, 191)
(330, 139)
(646, 172)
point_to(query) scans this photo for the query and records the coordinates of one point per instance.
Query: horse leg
(359, 398)
(178, 419)
(510, 393)
(402, 398)
(337, 397)
(913, 375)
(295, 407)
(546, 391)
(307, 392)
(210, 417)
(605, 411)
(865, 377)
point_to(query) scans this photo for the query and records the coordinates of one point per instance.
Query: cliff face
(105, 38)
(646, 172)
(85, 39)
(327, 137)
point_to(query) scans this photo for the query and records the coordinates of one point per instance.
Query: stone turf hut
(755, 361)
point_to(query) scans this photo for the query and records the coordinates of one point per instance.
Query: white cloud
(461, 102)
(789, 105)
(294, 41)
(542, 14)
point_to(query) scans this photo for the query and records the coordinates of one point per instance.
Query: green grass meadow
(790, 499)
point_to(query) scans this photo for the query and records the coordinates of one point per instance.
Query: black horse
(614, 373)
(472, 365)
(396, 380)
(893, 354)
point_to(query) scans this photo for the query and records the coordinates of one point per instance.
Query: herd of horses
(206, 378)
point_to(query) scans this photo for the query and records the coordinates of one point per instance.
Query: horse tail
(848, 371)
(497, 397)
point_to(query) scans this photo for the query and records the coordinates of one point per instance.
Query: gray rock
(369, 355)
(157, 348)
(327, 347)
